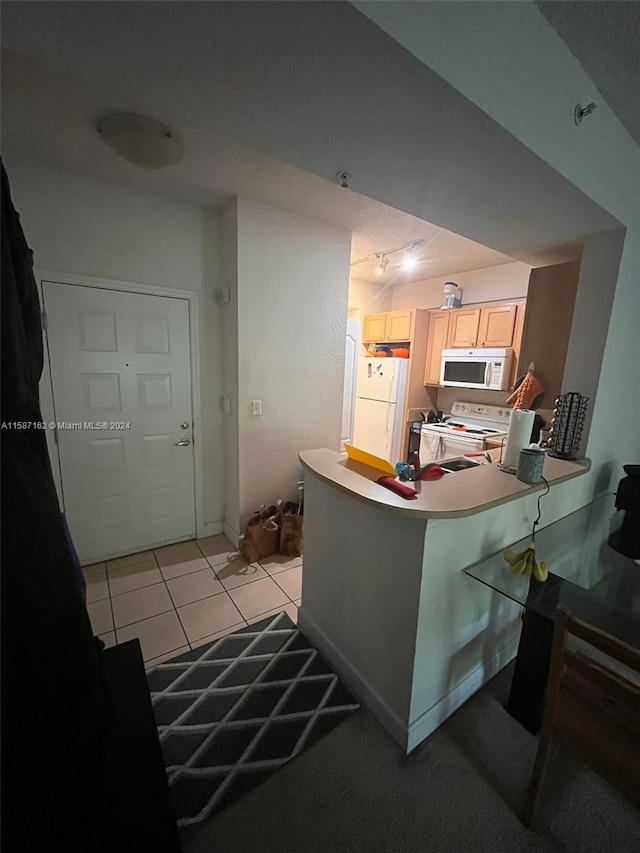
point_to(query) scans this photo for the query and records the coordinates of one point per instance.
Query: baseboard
(363, 691)
(211, 528)
(436, 715)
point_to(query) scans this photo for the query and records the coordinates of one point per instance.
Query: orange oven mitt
(526, 392)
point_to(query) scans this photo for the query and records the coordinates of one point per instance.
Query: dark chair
(592, 707)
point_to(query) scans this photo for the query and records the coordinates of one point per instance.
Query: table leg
(526, 699)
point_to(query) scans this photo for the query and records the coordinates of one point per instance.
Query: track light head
(410, 259)
(382, 265)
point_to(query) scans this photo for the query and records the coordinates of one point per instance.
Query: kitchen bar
(384, 595)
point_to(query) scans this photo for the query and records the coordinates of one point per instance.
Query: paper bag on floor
(291, 530)
(262, 535)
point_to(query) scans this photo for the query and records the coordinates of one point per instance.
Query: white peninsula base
(385, 599)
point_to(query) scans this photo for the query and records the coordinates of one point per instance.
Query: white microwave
(477, 368)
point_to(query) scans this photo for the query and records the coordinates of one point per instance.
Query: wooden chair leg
(537, 777)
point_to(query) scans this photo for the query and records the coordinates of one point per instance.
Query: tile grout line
(164, 581)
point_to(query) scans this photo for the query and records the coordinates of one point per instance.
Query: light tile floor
(184, 595)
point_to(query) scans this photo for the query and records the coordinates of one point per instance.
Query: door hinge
(55, 435)
(44, 319)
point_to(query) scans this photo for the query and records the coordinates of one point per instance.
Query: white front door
(121, 377)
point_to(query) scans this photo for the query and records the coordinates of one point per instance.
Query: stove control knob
(500, 413)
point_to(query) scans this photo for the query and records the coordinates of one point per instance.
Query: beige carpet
(355, 792)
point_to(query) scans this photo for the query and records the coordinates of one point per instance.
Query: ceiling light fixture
(384, 263)
(140, 140)
(410, 260)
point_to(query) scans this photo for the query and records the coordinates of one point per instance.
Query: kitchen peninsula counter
(455, 495)
(384, 595)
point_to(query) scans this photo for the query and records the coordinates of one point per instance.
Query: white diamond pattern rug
(231, 713)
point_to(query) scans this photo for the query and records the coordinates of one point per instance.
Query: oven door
(438, 444)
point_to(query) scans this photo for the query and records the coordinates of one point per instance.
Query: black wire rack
(566, 425)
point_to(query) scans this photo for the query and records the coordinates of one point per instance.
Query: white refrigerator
(379, 426)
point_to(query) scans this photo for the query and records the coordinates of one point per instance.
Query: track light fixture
(382, 265)
(409, 261)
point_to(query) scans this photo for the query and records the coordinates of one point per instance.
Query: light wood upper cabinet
(497, 323)
(373, 328)
(437, 336)
(390, 326)
(463, 327)
(399, 326)
(488, 326)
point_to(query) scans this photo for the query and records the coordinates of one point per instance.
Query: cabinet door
(373, 327)
(497, 323)
(399, 326)
(436, 341)
(463, 328)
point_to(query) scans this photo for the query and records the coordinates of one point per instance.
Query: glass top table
(586, 575)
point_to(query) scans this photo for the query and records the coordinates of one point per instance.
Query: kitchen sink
(458, 464)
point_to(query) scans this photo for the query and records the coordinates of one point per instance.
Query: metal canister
(530, 465)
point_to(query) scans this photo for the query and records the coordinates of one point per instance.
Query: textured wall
(293, 275)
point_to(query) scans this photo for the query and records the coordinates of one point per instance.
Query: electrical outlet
(256, 407)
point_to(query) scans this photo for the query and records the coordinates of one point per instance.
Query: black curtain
(54, 713)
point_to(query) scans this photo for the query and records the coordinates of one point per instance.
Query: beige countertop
(454, 495)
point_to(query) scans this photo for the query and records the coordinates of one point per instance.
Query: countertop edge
(390, 501)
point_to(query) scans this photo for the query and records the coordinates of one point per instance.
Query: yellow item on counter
(369, 459)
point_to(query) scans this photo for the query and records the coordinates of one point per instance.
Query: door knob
(185, 425)
(183, 442)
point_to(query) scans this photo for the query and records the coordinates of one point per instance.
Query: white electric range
(465, 430)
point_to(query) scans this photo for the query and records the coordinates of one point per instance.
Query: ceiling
(604, 37)
(50, 115)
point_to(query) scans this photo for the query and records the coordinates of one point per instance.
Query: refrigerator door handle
(390, 414)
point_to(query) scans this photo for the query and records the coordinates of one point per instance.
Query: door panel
(496, 326)
(374, 327)
(373, 427)
(381, 378)
(463, 328)
(398, 326)
(121, 376)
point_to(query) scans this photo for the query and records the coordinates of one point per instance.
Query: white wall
(368, 297)
(506, 281)
(293, 275)
(104, 230)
